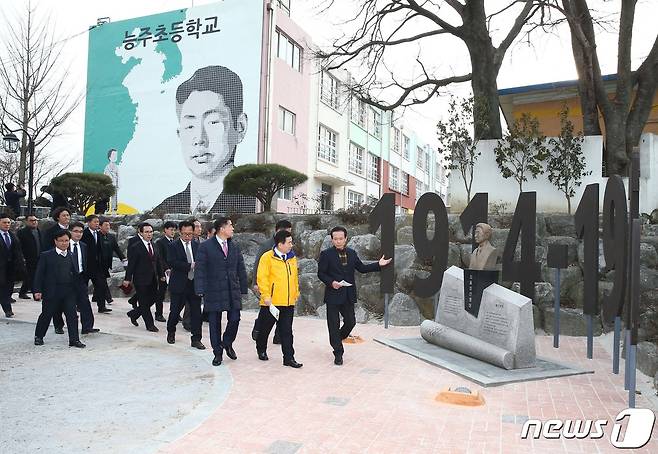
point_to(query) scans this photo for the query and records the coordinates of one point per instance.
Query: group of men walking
(205, 277)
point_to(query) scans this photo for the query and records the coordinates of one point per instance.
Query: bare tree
(36, 97)
(625, 111)
(386, 25)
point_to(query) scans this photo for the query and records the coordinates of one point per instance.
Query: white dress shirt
(73, 243)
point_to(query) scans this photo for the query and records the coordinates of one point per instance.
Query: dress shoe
(338, 360)
(262, 356)
(38, 340)
(9, 314)
(230, 352)
(160, 318)
(24, 296)
(276, 340)
(104, 310)
(217, 360)
(12, 300)
(133, 320)
(59, 330)
(171, 338)
(77, 344)
(89, 331)
(292, 363)
(109, 301)
(152, 329)
(199, 345)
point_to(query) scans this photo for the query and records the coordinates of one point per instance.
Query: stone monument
(502, 333)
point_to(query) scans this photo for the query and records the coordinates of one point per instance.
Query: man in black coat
(220, 278)
(335, 265)
(144, 270)
(62, 218)
(161, 244)
(54, 281)
(13, 198)
(180, 259)
(31, 244)
(80, 256)
(12, 265)
(92, 238)
(109, 248)
(264, 247)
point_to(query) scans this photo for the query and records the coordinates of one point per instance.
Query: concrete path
(129, 391)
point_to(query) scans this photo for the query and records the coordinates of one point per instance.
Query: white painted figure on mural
(112, 171)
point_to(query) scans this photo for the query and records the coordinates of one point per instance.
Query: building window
(427, 163)
(404, 187)
(419, 189)
(327, 144)
(396, 140)
(420, 158)
(375, 123)
(356, 159)
(287, 121)
(354, 198)
(288, 50)
(394, 178)
(285, 194)
(358, 112)
(406, 148)
(373, 168)
(284, 5)
(329, 90)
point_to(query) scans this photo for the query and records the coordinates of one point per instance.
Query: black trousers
(336, 332)
(5, 296)
(82, 304)
(162, 291)
(180, 300)
(215, 320)
(265, 323)
(26, 286)
(64, 302)
(146, 295)
(100, 288)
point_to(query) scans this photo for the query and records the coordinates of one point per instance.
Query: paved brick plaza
(380, 401)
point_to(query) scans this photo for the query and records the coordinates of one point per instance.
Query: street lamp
(11, 144)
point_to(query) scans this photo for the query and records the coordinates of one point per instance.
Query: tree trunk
(568, 204)
(615, 143)
(484, 70)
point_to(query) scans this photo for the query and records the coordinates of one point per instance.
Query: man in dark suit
(109, 248)
(31, 244)
(181, 256)
(145, 271)
(54, 281)
(220, 278)
(12, 265)
(80, 256)
(96, 274)
(133, 240)
(335, 265)
(62, 218)
(161, 244)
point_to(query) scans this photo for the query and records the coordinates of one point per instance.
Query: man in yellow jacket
(278, 282)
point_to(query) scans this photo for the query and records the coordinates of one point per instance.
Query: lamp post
(11, 144)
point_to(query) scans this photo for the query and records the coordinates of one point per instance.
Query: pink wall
(291, 90)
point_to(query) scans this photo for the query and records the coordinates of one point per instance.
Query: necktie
(225, 248)
(150, 249)
(188, 254)
(95, 238)
(7, 240)
(75, 258)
